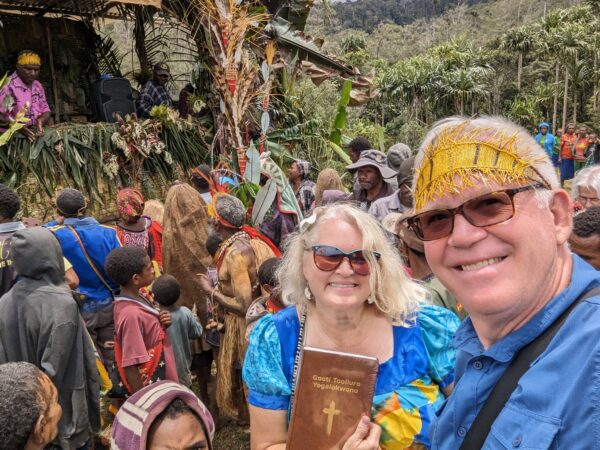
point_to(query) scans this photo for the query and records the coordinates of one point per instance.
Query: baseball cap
(162, 69)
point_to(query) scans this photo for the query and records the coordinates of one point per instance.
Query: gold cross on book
(331, 412)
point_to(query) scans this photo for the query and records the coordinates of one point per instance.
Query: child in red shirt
(143, 352)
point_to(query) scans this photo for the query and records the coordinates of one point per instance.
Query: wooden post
(52, 73)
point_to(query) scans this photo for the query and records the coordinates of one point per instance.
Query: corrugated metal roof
(74, 7)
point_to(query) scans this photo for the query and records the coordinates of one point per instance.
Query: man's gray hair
(21, 403)
(231, 209)
(587, 178)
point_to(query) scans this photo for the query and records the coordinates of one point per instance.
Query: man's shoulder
(86, 227)
(14, 81)
(387, 199)
(37, 86)
(149, 85)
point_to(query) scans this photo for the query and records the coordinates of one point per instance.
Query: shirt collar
(16, 81)
(80, 221)
(384, 192)
(11, 227)
(395, 203)
(583, 278)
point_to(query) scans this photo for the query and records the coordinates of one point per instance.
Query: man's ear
(267, 288)
(38, 431)
(561, 208)
(135, 278)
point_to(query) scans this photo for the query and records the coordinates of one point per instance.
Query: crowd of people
(571, 149)
(456, 266)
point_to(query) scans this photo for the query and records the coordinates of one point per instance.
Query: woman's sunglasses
(489, 209)
(328, 258)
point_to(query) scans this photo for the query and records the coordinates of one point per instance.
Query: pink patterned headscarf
(134, 419)
(130, 204)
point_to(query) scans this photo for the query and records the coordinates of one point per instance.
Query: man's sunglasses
(489, 209)
(328, 258)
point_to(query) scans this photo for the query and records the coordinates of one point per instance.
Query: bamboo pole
(555, 98)
(53, 74)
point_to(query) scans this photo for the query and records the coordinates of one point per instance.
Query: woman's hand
(365, 437)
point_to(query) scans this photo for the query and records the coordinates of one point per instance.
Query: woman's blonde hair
(155, 210)
(328, 180)
(392, 291)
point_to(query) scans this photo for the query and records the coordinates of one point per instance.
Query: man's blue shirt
(98, 241)
(557, 402)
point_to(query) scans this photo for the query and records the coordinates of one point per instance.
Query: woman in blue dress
(348, 292)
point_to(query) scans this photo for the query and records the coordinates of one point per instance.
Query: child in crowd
(143, 352)
(270, 301)
(155, 210)
(184, 324)
(213, 242)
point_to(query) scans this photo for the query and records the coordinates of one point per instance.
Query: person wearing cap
(155, 92)
(495, 225)
(372, 171)
(303, 187)
(399, 200)
(25, 91)
(396, 155)
(413, 255)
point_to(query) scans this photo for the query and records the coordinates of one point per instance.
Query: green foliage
(339, 122)
(366, 15)
(77, 155)
(373, 132)
(353, 43)
(478, 60)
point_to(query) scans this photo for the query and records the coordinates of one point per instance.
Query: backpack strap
(89, 260)
(479, 430)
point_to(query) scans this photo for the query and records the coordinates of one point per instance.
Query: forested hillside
(367, 14)
(524, 59)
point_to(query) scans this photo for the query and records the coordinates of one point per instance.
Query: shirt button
(516, 442)
(477, 365)
(461, 432)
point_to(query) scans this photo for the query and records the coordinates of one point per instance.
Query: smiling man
(495, 225)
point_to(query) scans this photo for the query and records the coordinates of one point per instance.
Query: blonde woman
(350, 294)
(328, 180)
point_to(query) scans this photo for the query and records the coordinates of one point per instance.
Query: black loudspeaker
(110, 96)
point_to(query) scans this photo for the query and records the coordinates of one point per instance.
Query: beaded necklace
(226, 244)
(298, 356)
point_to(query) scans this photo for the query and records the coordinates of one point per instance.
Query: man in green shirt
(413, 254)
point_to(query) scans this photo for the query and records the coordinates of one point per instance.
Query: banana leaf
(339, 123)
(252, 171)
(263, 201)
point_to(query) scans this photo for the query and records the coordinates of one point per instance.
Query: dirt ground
(232, 437)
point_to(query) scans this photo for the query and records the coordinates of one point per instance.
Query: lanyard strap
(509, 380)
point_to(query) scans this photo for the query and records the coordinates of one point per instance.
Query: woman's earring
(307, 293)
(370, 300)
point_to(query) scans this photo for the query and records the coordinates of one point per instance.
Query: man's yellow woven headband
(29, 59)
(458, 156)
